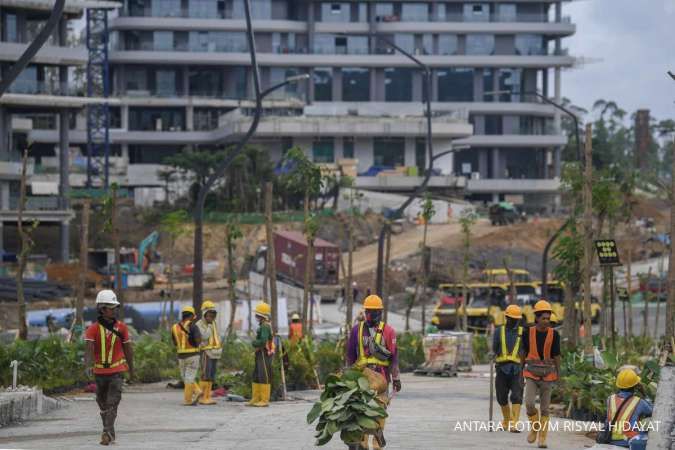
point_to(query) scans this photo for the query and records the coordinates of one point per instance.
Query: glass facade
(163, 41)
(480, 44)
(323, 150)
(404, 40)
(510, 80)
(476, 12)
(205, 82)
(355, 84)
(330, 44)
(166, 8)
(165, 82)
(506, 12)
(10, 33)
(348, 148)
(530, 44)
(398, 85)
(156, 119)
(447, 44)
(323, 84)
(335, 12)
(260, 9)
(414, 12)
(455, 85)
(389, 152)
(203, 9)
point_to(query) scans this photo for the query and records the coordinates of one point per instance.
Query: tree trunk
(271, 257)
(116, 246)
(670, 306)
(308, 267)
(630, 285)
(310, 328)
(23, 253)
(588, 240)
(350, 264)
(569, 320)
(172, 260)
(512, 285)
(386, 274)
(198, 261)
(231, 280)
(645, 300)
(426, 262)
(82, 281)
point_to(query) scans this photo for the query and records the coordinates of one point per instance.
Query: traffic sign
(608, 254)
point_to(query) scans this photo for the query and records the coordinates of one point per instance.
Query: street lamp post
(549, 244)
(198, 270)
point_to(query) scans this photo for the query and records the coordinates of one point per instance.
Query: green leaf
(324, 438)
(314, 412)
(364, 384)
(342, 399)
(332, 427)
(327, 405)
(352, 375)
(367, 423)
(351, 437)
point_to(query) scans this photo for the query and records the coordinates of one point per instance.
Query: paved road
(423, 416)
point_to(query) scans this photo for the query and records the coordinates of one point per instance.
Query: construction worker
(372, 345)
(211, 350)
(186, 338)
(264, 350)
(541, 345)
(506, 348)
(625, 432)
(108, 355)
(295, 329)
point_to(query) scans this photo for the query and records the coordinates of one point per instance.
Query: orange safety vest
(622, 428)
(295, 331)
(180, 334)
(533, 354)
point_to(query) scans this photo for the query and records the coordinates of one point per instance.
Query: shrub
(155, 358)
(410, 351)
(480, 349)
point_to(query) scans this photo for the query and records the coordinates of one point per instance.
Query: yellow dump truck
(556, 296)
(484, 305)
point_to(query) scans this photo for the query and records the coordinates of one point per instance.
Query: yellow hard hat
(514, 312)
(626, 379)
(187, 309)
(208, 305)
(373, 302)
(295, 316)
(263, 309)
(542, 306)
(435, 320)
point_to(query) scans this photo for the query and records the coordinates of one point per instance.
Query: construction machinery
(504, 213)
(484, 305)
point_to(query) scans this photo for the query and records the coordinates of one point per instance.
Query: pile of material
(33, 290)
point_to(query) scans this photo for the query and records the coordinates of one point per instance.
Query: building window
(405, 41)
(493, 125)
(260, 9)
(530, 44)
(415, 12)
(203, 9)
(510, 80)
(384, 12)
(506, 12)
(421, 155)
(165, 82)
(323, 150)
(348, 148)
(205, 82)
(164, 41)
(476, 12)
(389, 152)
(447, 44)
(278, 75)
(398, 85)
(206, 119)
(335, 12)
(156, 119)
(489, 86)
(323, 84)
(152, 154)
(26, 82)
(166, 8)
(480, 44)
(11, 34)
(455, 85)
(355, 85)
(427, 44)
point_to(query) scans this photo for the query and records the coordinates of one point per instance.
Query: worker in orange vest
(108, 355)
(541, 359)
(295, 329)
(186, 337)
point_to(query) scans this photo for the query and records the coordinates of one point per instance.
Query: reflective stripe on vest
(367, 360)
(183, 345)
(106, 357)
(214, 339)
(622, 422)
(505, 356)
(533, 354)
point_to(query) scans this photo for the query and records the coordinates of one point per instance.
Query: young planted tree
(427, 213)
(173, 226)
(271, 265)
(232, 234)
(349, 290)
(311, 229)
(110, 213)
(27, 244)
(466, 221)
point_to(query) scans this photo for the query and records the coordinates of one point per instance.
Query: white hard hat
(106, 297)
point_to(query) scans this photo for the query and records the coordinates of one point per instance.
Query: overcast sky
(635, 42)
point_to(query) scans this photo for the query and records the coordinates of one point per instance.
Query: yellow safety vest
(106, 357)
(368, 360)
(183, 345)
(214, 339)
(618, 433)
(505, 356)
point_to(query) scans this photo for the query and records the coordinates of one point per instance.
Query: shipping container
(290, 248)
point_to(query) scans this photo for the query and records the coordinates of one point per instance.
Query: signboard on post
(623, 294)
(608, 254)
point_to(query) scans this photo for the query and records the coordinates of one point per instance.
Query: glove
(397, 385)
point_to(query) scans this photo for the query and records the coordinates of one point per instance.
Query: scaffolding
(98, 85)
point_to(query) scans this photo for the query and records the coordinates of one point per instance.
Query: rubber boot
(197, 393)
(534, 426)
(255, 394)
(515, 418)
(206, 388)
(506, 412)
(264, 397)
(106, 439)
(188, 390)
(543, 432)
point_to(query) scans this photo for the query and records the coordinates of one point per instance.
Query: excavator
(139, 259)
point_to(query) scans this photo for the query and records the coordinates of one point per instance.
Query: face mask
(373, 316)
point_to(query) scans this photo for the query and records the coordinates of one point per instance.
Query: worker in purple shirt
(372, 345)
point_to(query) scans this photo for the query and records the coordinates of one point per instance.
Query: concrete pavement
(423, 416)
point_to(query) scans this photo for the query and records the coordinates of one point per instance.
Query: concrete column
(483, 163)
(477, 86)
(310, 26)
(417, 86)
(495, 197)
(4, 195)
(124, 150)
(374, 96)
(544, 87)
(558, 11)
(64, 182)
(4, 135)
(337, 84)
(409, 155)
(497, 172)
(557, 157)
(558, 99)
(185, 75)
(310, 87)
(190, 118)
(545, 153)
(2, 236)
(124, 116)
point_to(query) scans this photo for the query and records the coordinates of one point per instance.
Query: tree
(427, 213)
(173, 225)
(349, 290)
(232, 234)
(466, 221)
(27, 244)
(167, 176)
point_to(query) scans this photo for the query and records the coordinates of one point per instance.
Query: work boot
(543, 432)
(534, 426)
(515, 418)
(106, 439)
(188, 389)
(196, 393)
(506, 412)
(264, 396)
(206, 398)
(255, 394)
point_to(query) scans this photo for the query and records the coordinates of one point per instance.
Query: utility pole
(271, 258)
(588, 239)
(84, 244)
(670, 327)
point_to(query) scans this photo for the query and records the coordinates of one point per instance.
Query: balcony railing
(35, 203)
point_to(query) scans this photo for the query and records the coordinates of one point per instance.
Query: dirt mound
(655, 208)
(531, 236)
(70, 274)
